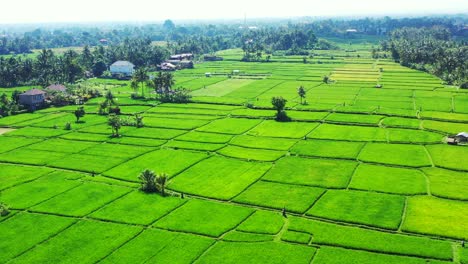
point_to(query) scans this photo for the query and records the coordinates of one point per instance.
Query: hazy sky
(31, 11)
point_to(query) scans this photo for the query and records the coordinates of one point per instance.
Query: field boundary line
(313, 203)
(403, 215)
(119, 246)
(45, 240)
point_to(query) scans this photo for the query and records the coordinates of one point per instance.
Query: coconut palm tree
(148, 181)
(161, 181)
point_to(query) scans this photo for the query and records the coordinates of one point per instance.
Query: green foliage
(79, 113)
(279, 103)
(148, 181)
(301, 92)
(115, 123)
(68, 126)
(4, 211)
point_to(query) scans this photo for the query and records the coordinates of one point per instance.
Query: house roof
(34, 92)
(123, 63)
(463, 134)
(57, 87)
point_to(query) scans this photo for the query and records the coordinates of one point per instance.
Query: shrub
(148, 181)
(68, 126)
(4, 209)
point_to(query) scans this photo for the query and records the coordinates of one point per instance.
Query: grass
(276, 195)
(312, 172)
(82, 200)
(230, 126)
(251, 154)
(18, 238)
(262, 142)
(226, 177)
(435, 216)
(10, 143)
(395, 154)
(271, 128)
(93, 163)
(203, 137)
(86, 241)
(38, 132)
(398, 135)
(177, 144)
(364, 176)
(262, 252)
(203, 217)
(236, 236)
(12, 174)
(388, 179)
(31, 193)
(138, 208)
(333, 234)
(296, 237)
(166, 161)
(447, 184)
(31, 156)
(447, 156)
(345, 256)
(62, 145)
(263, 222)
(373, 209)
(327, 148)
(349, 133)
(160, 245)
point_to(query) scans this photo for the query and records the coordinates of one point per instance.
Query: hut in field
(460, 138)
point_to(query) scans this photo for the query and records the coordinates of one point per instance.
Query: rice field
(360, 174)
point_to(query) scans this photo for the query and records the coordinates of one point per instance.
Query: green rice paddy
(360, 174)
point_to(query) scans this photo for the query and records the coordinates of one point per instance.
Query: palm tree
(161, 181)
(148, 181)
(301, 92)
(168, 81)
(141, 76)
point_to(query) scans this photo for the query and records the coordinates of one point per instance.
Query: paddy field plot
(360, 174)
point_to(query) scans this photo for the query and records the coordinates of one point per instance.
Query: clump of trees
(79, 113)
(163, 83)
(151, 183)
(115, 123)
(430, 49)
(9, 106)
(279, 103)
(48, 68)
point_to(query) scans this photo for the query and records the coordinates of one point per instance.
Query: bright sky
(38, 11)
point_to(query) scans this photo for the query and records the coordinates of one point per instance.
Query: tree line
(48, 67)
(430, 49)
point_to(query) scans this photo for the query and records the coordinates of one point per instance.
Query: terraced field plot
(360, 175)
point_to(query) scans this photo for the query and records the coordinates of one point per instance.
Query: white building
(124, 68)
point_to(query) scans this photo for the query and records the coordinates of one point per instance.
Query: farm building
(33, 98)
(103, 41)
(166, 66)
(460, 138)
(351, 30)
(122, 68)
(59, 88)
